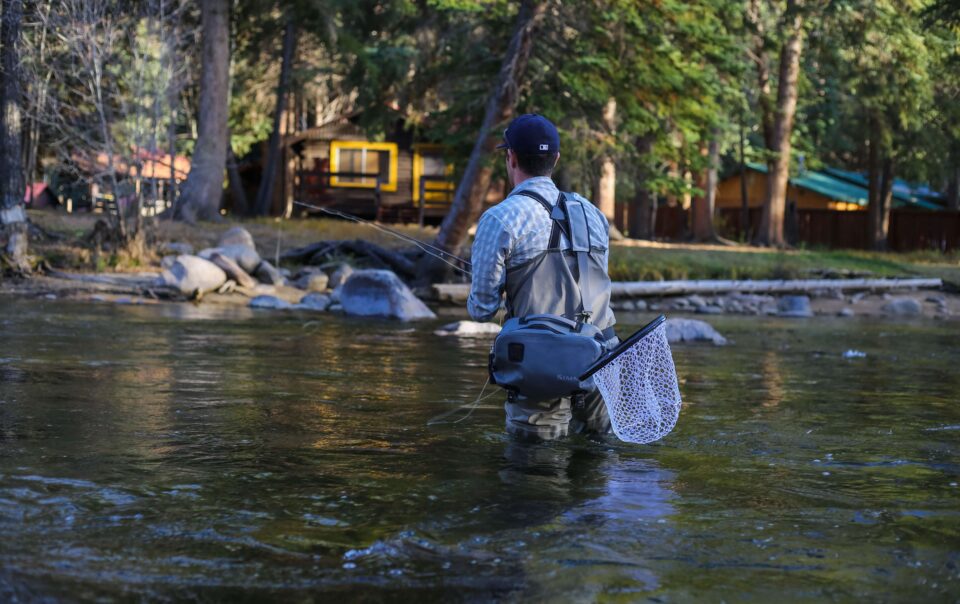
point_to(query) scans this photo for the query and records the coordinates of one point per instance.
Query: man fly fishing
(546, 253)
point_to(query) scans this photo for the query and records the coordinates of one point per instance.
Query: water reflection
(154, 451)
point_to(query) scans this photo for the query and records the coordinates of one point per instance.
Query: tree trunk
(271, 166)
(643, 211)
(703, 205)
(237, 192)
(771, 222)
(468, 199)
(13, 218)
(203, 189)
(880, 198)
(953, 190)
(754, 19)
(605, 197)
(744, 199)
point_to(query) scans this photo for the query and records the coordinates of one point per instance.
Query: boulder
(692, 330)
(237, 236)
(380, 293)
(315, 301)
(313, 281)
(640, 305)
(340, 275)
(469, 329)
(246, 258)
(902, 307)
(267, 273)
(846, 312)
(270, 302)
(696, 301)
(794, 306)
(193, 275)
(233, 270)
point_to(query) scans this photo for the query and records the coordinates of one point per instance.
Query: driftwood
(233, 270)
(321, 251)
(456, 293)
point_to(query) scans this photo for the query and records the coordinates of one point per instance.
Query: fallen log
(319, 252)
(456, 293)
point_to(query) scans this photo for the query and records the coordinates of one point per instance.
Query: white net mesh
(640, 390)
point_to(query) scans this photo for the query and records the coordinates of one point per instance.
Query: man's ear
(556, 161)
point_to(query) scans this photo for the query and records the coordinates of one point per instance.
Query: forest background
(665, 95)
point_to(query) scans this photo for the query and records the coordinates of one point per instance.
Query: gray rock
(628, 306)
(315, 301)
(380, 293)
(313, 281)
(246, 258)
(267, 273)
(335, 307)
(937, 299)
(237, 236)
(846, 312)
(193, 275)
(468, 329)
(640, 305)
(680, 303)
(857, 297)
(734, 306)
(233, 270)
(902, 307)
(692, 330)
(696, 301)
(175, 248)
(794, 306)
(709, 309)
(270, 302)
(339, 276)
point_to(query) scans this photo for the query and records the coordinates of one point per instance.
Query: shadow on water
(195, 453)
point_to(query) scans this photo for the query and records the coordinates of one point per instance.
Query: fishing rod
(430, 250)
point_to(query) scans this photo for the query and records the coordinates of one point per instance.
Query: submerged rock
(193, 275)
(380, 293)
(692, 330)
(902, 307)
(468, 329)
(315, 301)
(794, 306)
(237, 236)
(270, 302)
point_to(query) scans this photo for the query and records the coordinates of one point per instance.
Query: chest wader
(559, 317)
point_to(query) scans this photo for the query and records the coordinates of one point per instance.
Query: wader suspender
(569, 216)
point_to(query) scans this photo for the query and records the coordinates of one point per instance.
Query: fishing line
(430, 250)
(469, 407)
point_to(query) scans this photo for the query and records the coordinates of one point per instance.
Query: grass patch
(633, 263)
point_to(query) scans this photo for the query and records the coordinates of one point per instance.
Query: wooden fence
(909, 229)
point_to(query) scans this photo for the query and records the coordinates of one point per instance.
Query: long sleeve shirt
(512, 232)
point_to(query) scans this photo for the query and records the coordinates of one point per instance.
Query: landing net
(639, 387)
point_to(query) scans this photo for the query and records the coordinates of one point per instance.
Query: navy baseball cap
(531, 133)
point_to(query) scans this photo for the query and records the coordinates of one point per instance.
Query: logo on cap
(544, 147)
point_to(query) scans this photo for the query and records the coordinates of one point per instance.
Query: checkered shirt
(514, 231)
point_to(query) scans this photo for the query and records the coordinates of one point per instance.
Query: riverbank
(71, 272)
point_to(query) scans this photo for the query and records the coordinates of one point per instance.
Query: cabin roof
(850, 187)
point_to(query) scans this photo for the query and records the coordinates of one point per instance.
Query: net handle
(623, 347)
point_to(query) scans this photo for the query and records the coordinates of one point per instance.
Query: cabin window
(429, 166)
(363, 162)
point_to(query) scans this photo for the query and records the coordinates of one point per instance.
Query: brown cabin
(336, 166)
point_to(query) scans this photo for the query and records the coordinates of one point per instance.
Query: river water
(181, 452)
